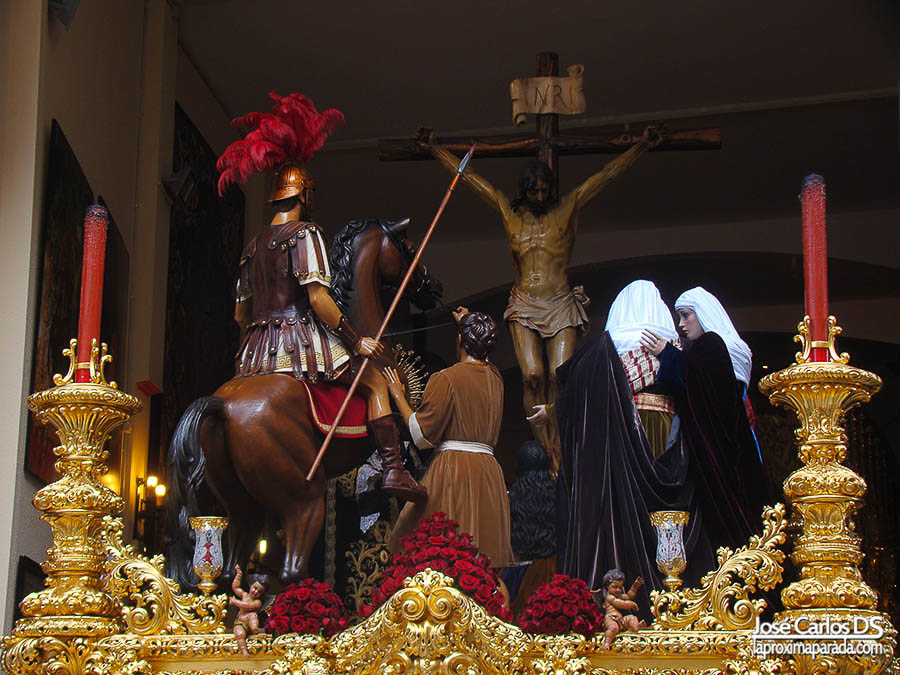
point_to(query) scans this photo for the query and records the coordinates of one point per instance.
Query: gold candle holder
(75, 602)
(208, 558)
(824, 494)
(671, 558)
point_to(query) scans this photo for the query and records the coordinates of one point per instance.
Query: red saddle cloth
(325, 400)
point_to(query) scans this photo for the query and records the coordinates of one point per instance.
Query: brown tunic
(464, 403)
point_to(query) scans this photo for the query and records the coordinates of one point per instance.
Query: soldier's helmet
(291, 180)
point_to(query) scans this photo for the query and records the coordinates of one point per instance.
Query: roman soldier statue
(290, 322)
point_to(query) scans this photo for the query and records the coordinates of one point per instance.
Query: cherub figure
(248, 603)
(614, 601)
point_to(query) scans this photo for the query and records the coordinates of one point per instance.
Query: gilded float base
(67, 626)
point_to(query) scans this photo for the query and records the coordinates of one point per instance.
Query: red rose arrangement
(562, 605)
(438, 544)
(308, 607)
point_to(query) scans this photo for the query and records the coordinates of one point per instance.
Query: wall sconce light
(147, 510)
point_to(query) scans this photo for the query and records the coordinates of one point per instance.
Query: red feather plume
(294, 130)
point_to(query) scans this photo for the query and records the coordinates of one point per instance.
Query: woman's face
(688, 323)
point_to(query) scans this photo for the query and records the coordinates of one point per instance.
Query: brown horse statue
(253, 441)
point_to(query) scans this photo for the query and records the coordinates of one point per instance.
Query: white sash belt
(465, 446)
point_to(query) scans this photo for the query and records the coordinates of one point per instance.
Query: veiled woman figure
(616, 468)
(712, 375)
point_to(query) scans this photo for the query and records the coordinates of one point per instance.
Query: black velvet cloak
(731, 484)
(609, 482)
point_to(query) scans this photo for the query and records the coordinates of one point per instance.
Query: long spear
(387, 317)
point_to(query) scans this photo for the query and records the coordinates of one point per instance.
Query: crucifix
(545, 314)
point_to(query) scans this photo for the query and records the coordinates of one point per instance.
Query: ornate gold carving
(151, 602)
(807, 345)
(97, 364)
(59, 380)
(824, 494)
(722, 602)
(49, 655)
(428, 626)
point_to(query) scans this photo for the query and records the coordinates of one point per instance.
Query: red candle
(815, 262)
(95, 220)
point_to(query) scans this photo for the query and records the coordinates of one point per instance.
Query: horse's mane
(341, 259)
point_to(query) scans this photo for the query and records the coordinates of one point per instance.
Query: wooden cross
(547, 144)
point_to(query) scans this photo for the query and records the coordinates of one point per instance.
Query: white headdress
(637, 307)
(714, 319)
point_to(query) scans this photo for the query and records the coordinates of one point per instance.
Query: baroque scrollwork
(428, 626)
(49, 655)
(151, 603)
(722, 601)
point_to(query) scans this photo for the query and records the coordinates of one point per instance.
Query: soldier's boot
(396, 480)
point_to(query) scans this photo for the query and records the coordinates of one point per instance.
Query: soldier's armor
(284, 334)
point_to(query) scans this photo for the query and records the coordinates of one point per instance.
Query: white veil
(638, 306)
(714, 319)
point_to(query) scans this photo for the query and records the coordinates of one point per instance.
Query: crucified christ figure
(544, 314)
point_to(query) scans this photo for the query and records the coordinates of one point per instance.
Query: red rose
(570, 610)
(464, 566)
(302, 594)
(581, 625)
(277, 625)
(317, 609)
(439, 565)
(365, 611)
(483, 592)
(467, 582)
(297, 624)
(554, 606)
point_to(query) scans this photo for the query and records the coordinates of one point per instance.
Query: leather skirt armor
(285, 335)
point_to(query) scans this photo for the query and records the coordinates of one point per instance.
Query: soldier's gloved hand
(369, 347)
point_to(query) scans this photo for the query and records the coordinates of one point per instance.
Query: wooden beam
(600, 141)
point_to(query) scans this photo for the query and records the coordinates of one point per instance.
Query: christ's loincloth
(549, 315)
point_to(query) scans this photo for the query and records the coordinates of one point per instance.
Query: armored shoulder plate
(289, 231)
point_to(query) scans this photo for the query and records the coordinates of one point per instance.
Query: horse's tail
(185, 470)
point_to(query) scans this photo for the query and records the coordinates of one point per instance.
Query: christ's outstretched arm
(612, 170)
(492, 196)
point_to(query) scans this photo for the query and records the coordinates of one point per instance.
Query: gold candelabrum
(75, 602)
(825, 495)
